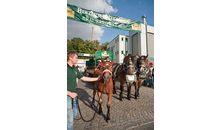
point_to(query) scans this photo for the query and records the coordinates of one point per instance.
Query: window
(126, 39)
(126, 46)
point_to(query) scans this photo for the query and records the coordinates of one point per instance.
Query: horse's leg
(129, 90)
(100, 102)
(121, 88)
(94, 92)
(139, 86)
(136, 89)
(108, 106)
(114, 87)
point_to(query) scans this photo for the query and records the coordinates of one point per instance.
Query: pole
(92, 34)
(145, 23)
(147, 40)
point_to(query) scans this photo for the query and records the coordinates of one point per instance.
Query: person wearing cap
(151, 74)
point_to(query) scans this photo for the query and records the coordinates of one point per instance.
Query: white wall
(81, 62)
(142, 46)
(151, 44)
(142, 39)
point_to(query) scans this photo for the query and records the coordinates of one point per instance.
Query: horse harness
(127, 66)
(124, 69)
(143, 74)
(115, 76)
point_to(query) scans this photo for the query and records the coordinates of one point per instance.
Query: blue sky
(131, 9)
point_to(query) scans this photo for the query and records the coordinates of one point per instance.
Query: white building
(81, 62)
(133, 44)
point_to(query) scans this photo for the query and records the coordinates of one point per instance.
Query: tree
(104, 45)
(75, 42)
(87, 46)
(69, 45)
(81, 48)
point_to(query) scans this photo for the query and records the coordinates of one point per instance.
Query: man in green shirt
(72, 74)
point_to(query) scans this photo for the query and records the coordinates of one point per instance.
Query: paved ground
(127, 114)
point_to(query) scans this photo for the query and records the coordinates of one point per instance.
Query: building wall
(119, 46)
(151, 44)
(142, 39)
(122, 48)
(81, 62)
(135, 44)
(131, 44)
(141, 44)
(150, 35)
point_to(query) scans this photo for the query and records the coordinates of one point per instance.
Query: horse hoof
(135, 97)
(108, 120)
(121, 99)
(92, 105)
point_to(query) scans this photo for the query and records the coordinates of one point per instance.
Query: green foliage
(87, 46)
(80, 57)
(105, 45)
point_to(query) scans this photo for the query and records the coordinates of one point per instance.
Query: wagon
(92, 64)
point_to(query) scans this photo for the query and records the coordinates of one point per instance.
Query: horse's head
(142, 64)
(107, 69)
(129, 64)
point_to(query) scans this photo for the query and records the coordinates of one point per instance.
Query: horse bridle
(146, 70)
(128, 66)
(106, 70)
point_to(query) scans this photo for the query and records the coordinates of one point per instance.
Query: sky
(130, 9)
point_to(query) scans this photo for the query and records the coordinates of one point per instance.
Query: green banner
(106, 20)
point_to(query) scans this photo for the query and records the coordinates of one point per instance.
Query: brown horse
(141, 73)
(121, 72)
(106, 84)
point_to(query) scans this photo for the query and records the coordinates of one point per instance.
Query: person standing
(151, 74)
(72, 74)
(107, 59)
